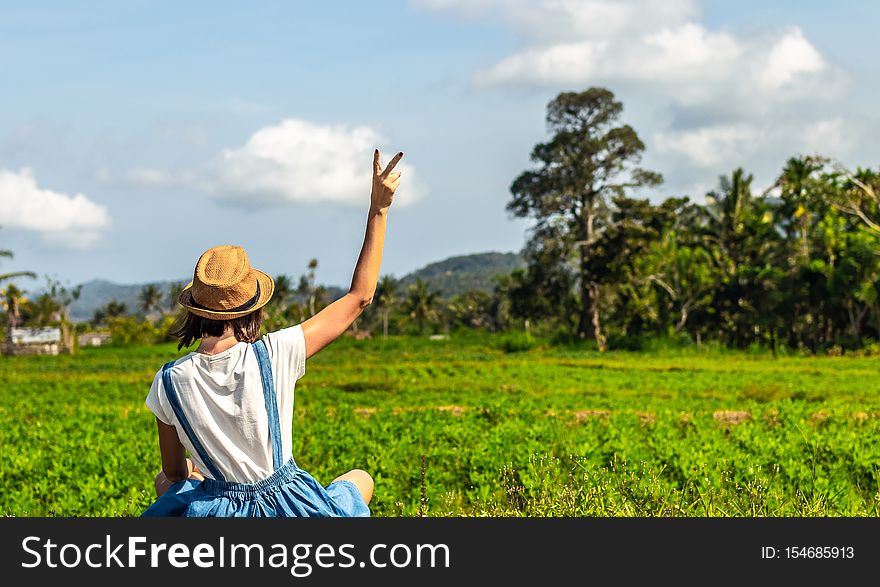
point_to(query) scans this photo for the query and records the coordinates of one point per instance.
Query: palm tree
(421, 303)
(12, 300)
(114, 309)
(150, 299)
(386, 298)
(795, 185)
(313, 265)
(859, 195)
(174, 291)
(283, 289)
(45, 310)
(306, 286)
(98, 317)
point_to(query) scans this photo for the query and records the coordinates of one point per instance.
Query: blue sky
(135, 135)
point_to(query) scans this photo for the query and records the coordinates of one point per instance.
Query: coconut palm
(385, 299)
(44, 310)
(174, 290)
(283, 290)
(150, 299)
(421, 303)
(98, 317)
(313, 265)
(306, 286)
(114, 309)
(12, 299)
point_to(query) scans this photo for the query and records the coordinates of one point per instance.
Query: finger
(377, 167)
(393, 176)
(393, 185)
(392, 163)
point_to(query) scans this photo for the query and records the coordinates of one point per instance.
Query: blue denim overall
(288, 492)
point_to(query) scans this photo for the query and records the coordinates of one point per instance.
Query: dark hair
(189, 327)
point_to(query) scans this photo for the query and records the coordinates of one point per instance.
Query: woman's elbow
(174, 476)
(361, 299)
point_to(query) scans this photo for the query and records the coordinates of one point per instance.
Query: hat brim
(267, 288)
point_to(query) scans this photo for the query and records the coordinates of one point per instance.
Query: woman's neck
(212, 345)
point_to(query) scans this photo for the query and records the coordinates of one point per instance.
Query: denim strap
(271, 401)
(175, 405)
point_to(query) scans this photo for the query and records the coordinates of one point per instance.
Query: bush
(125, 331)
(516, 342)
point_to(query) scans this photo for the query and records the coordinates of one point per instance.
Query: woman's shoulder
(287, 348)
(175, 365)
(290, 336)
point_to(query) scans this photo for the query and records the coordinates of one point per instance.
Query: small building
(34, 341)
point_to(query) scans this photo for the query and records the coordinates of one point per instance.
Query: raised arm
(328, 324)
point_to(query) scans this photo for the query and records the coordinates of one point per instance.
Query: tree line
(795, 264)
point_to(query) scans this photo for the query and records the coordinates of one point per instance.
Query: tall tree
(306, 286)
(283, 290)
(472, 309)
(313, 266)
(744, 243)
(590, 158)
(859, 195)
(798, 192)
(621, 260)
(421, 303)
(114, 309)
(386, 299)
(175, 288)
(12, 299)
(150, 299)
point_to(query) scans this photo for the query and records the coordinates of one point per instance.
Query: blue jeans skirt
(288, 492)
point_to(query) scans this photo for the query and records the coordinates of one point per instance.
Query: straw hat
(225, 286)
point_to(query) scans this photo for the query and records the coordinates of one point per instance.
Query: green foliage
(516, 342)
(678, 430)
(794, 267)
(128, 331)
(421, 305)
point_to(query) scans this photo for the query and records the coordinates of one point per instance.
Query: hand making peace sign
(385, 182)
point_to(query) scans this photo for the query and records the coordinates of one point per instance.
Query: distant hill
(97, 292)
(457, 275)
(451, 276)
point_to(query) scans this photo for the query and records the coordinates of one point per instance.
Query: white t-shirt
(222, 398)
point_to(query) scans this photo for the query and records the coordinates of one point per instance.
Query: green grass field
(545, 431)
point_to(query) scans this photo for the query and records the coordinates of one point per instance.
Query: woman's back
(221, 396)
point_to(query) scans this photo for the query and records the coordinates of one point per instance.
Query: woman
(230, 402)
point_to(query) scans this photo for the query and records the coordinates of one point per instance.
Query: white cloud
(692, 159)
(686, 64)
(290, 162)
(73, 221)
(730, 144)
(790, 56)
(657, 46)
(711, 146)
(709, 98)
(561, 20)
(831, 137)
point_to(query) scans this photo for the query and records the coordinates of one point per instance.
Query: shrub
(516, 342)
(126, 331)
